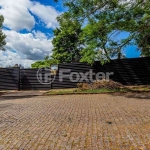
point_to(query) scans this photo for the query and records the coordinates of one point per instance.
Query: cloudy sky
(28, 25)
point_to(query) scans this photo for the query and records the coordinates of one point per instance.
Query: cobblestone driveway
(75, 122)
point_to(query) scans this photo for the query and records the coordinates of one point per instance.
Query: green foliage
(102, 21)
(47, 62)
(67, 45)
(2, 35)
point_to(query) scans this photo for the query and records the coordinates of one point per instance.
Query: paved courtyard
(75, 122)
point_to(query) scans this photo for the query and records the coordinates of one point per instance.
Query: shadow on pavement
(20, 95)
(142, 95)
(2, 98)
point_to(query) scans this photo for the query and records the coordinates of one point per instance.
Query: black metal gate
(30, 81)
(9, 79)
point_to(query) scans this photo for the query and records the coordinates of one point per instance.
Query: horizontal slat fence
(135, 71)
(74, 67)
(9, 78)
(29, 80)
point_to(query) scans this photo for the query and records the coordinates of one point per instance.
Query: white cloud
(47, 14)
(16, 14)
(29, 46)
(9, 58)
(39, 35)
(18, 17)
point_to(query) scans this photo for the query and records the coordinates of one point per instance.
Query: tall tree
(66, 42)
(2, 35)
(105, 19)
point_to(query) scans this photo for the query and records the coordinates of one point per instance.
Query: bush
(100, 84)
(83, 86)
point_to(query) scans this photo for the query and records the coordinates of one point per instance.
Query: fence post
(50, 86)
(18, 78)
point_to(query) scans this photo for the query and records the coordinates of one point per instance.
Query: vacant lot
(75, 122)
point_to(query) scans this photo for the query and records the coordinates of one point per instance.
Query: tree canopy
(66, 42)
(47, 62)
(101, 22)
(2, 35)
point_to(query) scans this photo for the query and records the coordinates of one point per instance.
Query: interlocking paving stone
(75, 122)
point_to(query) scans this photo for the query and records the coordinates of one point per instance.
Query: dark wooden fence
(64, 73)
(135, 71)
(9, 78)
(29, 80)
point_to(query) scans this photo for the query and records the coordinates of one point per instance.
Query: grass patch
(89, 91)
(125, 89)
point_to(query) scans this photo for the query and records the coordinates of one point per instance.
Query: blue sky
(28, 25)
(129, 51)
